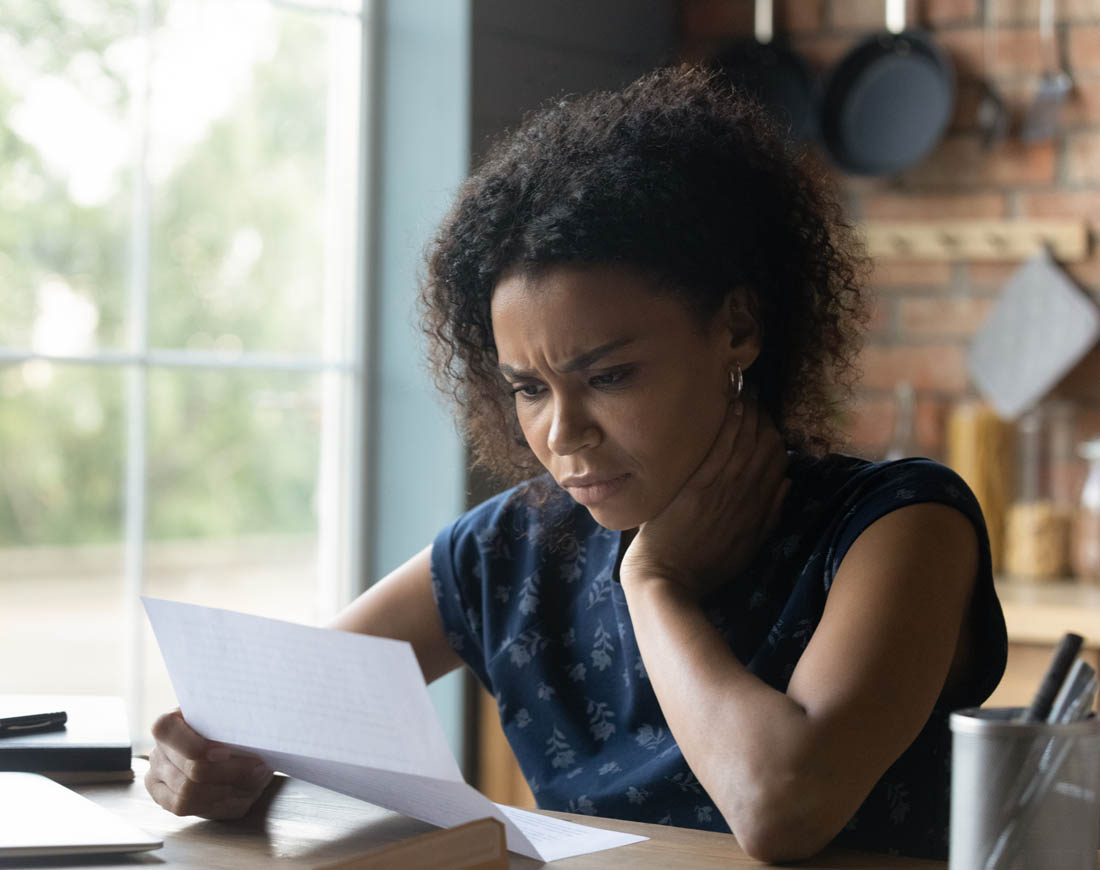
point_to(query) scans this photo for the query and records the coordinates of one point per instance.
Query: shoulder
(853, 493)
(837, 498)
(850, 477)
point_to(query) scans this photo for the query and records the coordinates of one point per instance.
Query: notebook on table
(93, 746)
(42, 817)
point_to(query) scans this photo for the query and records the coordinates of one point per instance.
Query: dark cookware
(887, 103)
(774, 75)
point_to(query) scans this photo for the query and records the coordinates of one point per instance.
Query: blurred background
(212, 217)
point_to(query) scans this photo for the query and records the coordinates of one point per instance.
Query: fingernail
(260, 771)
(218, 753)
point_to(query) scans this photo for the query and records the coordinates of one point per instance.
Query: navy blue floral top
(530, 600)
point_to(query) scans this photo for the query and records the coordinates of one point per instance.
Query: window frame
(343, 438)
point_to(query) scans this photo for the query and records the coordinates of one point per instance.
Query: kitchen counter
(1037, 615)
(1040, 613)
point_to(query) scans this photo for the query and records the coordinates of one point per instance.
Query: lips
(591, 489)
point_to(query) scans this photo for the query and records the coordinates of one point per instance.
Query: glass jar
(981, 447)
(1086, 526)
(1041, 517)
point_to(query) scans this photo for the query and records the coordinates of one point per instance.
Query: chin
(616, 520)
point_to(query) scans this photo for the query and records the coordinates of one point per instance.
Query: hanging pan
(774, 75)
(888, 101)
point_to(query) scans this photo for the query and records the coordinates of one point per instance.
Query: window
(181, 361)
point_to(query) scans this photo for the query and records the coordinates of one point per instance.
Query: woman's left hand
(714, 526)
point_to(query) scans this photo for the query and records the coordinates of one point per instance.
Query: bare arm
(790, 769)
(401, 606)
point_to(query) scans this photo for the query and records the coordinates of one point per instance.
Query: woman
(690, 613)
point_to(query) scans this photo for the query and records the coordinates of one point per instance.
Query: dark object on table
(96, 736)
(888, 102)
(13, 726)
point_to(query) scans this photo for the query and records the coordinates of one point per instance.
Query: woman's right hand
(192, 776)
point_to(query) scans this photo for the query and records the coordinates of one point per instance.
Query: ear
(741, 328)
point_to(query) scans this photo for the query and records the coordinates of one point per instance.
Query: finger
(172, 730)
(156, 762)
(190, 794)
(160, 792)
(153, 780)
(175, 791)
(163, 782)
(238, 801)
(201, 759)
(235, 770)
(232, 807)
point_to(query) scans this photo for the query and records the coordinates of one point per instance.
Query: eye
(612, 377)
(530, 392)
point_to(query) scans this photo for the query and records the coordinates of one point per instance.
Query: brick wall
(925, 312)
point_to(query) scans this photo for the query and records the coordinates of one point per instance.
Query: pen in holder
(1023, 781)
(1007, 808)
(1043, 765)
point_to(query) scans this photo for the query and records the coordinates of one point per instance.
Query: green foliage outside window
(236, 263)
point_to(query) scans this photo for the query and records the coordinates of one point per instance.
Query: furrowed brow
(582, 361)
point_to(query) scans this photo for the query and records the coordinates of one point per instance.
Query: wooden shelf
(950, 240)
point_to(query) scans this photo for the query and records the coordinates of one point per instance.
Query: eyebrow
(579, 362)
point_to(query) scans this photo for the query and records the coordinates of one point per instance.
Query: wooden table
(298, 825)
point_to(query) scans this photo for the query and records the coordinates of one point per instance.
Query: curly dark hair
(686, 180)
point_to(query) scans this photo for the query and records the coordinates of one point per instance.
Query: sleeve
(890, 486)
(456, 570)
(481, 544)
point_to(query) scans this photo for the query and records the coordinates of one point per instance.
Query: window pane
(61, 443)
(233, 477)
(61, 561)
(232, 453)
(65, 74)
(254, 124)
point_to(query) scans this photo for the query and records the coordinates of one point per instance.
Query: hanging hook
(901, 244)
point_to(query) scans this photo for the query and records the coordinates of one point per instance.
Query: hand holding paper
(345, 711)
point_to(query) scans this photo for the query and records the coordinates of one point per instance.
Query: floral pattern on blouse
(528, 596)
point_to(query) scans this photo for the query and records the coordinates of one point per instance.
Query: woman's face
(619, 390)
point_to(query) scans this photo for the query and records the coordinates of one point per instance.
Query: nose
(571, 428)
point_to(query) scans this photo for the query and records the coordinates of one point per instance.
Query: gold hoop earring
(737, 382)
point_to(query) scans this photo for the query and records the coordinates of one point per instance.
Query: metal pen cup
(1023, 794)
